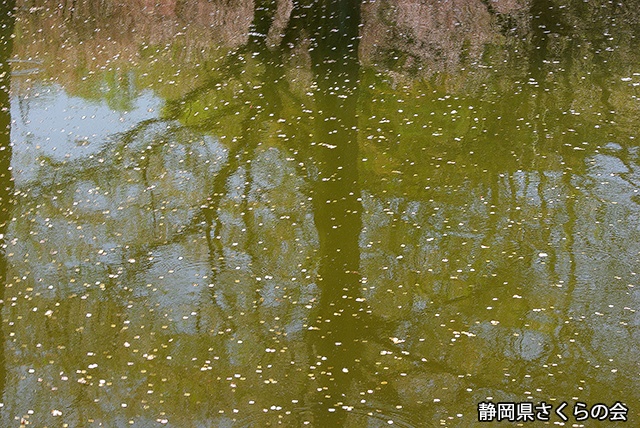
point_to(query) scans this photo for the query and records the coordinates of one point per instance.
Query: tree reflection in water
(361, 213)
(6, 182)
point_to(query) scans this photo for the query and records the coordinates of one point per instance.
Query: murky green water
(246, 214)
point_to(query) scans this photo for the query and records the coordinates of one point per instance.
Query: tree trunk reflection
(6, 183)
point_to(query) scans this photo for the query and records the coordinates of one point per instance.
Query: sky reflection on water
(323, 214)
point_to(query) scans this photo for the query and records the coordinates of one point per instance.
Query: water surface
(331, 213)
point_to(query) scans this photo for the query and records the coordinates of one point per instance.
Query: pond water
(329, 213)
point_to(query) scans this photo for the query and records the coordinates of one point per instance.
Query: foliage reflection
(324, 213)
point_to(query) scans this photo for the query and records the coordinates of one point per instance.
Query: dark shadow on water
(6, 183)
